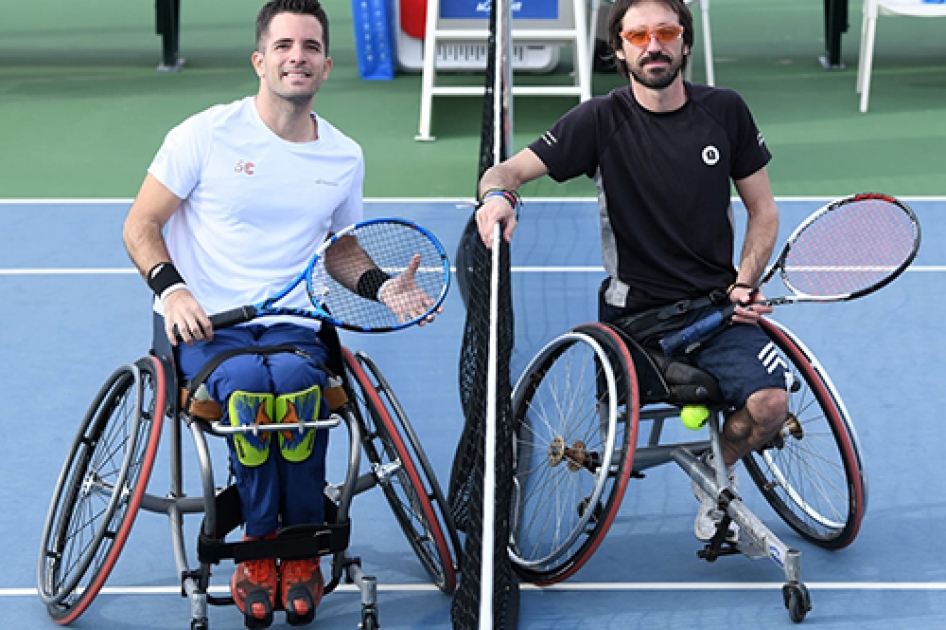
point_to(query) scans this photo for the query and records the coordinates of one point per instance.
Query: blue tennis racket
(378, 275)
(845, 250)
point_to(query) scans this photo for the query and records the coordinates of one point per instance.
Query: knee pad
(294, 445)
(247, 409)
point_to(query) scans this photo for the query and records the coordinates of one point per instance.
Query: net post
(502, 87)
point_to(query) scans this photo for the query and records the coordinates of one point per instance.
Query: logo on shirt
(760, 139)
(549, 139)
(710, 155)
(245, 167)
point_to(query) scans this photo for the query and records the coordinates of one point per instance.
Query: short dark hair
(616, 17)
(301, 7)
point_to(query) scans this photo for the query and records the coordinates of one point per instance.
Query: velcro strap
(646, 326)
(204, 409)
(335, 397)
(310, 541)
(300, 541)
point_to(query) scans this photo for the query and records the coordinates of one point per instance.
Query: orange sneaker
(253, 587)
(301, 587)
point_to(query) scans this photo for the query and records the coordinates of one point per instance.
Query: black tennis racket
(378, 275)
(845, 250)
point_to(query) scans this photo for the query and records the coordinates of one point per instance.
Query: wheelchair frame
(103, 485)
(579, 406)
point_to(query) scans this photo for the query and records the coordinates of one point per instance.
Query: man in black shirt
(664, 154)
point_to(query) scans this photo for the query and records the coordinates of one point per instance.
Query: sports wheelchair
(103, 485)
(580, 405)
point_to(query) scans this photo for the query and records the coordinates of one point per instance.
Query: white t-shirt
(255, 206)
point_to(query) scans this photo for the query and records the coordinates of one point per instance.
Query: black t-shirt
(663, 185)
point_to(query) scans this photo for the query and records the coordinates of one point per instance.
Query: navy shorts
(741, 358)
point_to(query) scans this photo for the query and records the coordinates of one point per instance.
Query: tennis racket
(378, 275)
(845, 250)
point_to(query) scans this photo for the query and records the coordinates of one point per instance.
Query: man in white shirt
(246, 192)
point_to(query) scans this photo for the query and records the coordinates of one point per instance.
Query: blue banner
(479, 9)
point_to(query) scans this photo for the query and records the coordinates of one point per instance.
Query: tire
(812, 474)
(407, 480)
(576, 411)
(89, 519)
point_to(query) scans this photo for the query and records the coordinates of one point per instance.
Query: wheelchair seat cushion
(687, 384)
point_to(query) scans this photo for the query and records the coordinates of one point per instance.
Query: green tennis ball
(694, 416)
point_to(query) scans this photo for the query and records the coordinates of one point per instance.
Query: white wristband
(171, 289)
(381, 289)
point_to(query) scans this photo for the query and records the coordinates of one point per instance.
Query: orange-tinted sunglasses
(665, 33)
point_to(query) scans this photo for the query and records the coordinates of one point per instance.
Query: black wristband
(370, 282)
(162, 277)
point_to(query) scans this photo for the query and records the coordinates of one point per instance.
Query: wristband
(384, 284)
(164, 279)
(370, 282)
(512, 197)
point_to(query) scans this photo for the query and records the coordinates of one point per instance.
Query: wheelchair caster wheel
(369, 621)
(797, 601)
(199, 624)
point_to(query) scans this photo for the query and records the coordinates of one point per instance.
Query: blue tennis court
(75, 310)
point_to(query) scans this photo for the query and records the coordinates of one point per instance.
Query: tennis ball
(694, 416)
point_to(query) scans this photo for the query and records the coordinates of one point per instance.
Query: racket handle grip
(232, 317)
(695, 332)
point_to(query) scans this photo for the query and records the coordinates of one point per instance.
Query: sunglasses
(665, 34)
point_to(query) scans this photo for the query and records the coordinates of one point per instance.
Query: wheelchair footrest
(712, 551)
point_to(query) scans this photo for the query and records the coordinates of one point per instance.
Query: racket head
(849, 248)
(390, 243)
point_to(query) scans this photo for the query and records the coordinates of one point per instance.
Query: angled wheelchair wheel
(404, 472)
(576, 408)
(100, 489)
(811, 473)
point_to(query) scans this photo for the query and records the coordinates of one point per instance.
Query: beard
(660, 80)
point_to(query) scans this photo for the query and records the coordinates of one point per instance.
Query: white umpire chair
(874, 9)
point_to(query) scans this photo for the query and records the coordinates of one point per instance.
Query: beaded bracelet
(512, 197)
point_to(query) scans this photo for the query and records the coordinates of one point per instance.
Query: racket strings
(391, 247)
(851, 248)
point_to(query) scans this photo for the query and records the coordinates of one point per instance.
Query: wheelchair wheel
(405, 474)
(811, 473)
(576, 407)
(100, 489)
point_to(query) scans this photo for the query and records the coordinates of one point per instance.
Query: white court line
(92, 271)
(447, 200)
(574, 586)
